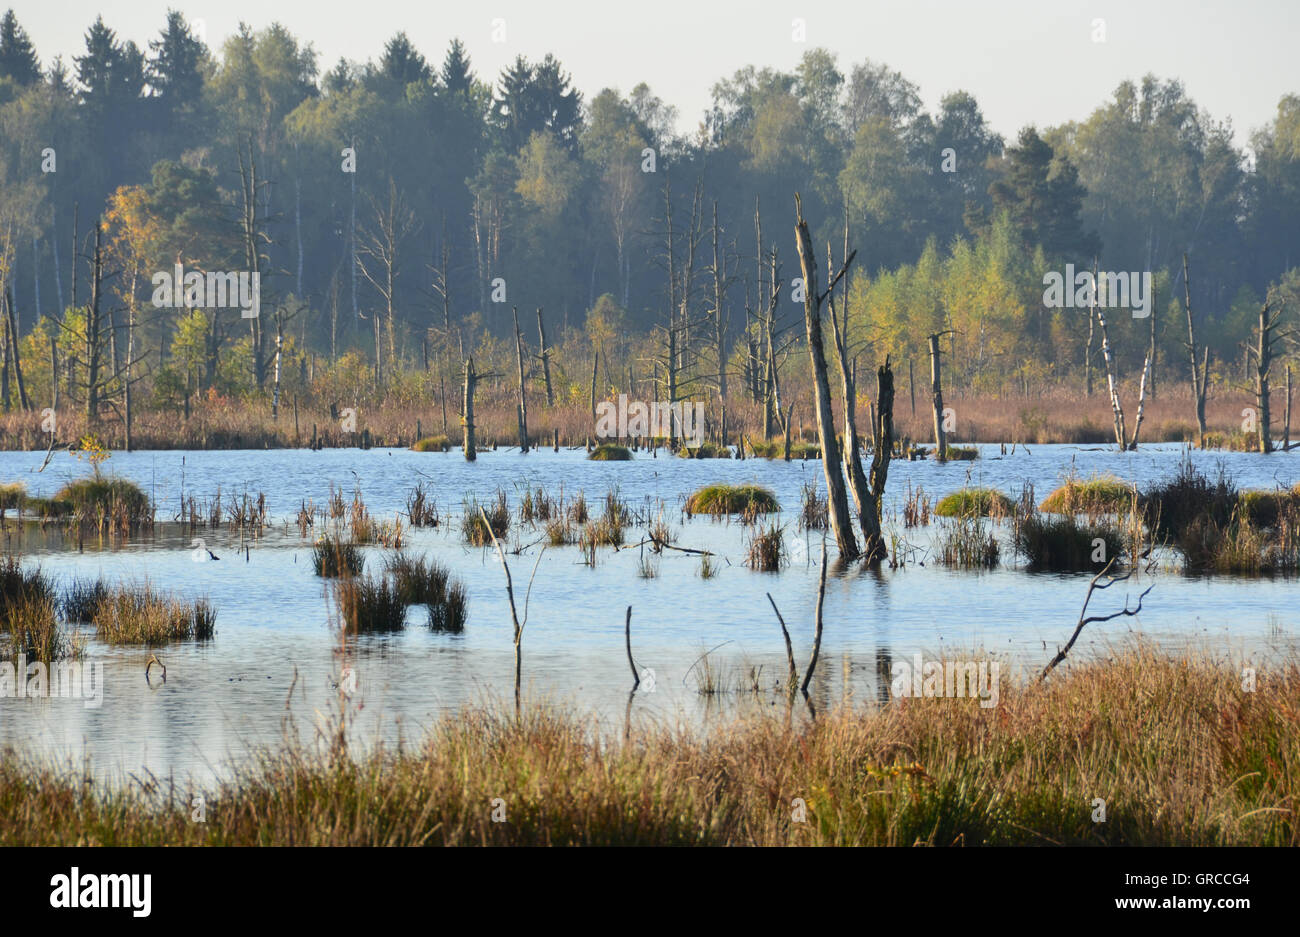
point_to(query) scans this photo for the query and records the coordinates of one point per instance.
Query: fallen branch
(1092, 619)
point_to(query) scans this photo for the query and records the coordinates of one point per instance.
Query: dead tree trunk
(1148, 375)
(936, 391)
(1263, 352)
(522, 409)
(836, 496)
(92, 338)
(544, 353)
(883, 431)
(471, 380)
(857, 478)
(12, 352)
(1117, 409)
(1200, 374)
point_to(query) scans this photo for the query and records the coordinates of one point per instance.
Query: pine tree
(456, 76)
(17, 55)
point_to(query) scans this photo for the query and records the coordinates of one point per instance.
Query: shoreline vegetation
(1060, 416)
(1179, 749)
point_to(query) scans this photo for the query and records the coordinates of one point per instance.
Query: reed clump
(732, 499)
(333, 557)
(475, 530)
(965, 543)
(610, 452)
(766, 549)
(423, 581)
(1103, 494)
(975, 502)
(136, 614)
(370, 604)
(1067, 543)
(439, 443)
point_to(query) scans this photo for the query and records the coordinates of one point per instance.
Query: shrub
(732, 499)
(1063, 543)
(609, 452)
(975, 502)
(1170, 507)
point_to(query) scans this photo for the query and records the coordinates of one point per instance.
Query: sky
(1025, 61)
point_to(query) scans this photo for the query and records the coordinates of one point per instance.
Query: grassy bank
(1176, 748)
(1050, 415)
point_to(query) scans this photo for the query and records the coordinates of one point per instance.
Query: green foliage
(975, 502)
(732, 499)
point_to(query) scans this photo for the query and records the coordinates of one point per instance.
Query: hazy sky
(1025, 61)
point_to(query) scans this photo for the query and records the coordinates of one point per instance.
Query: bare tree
(1201, 371)
(380, 252)
(836, 496)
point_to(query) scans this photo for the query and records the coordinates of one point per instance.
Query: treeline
(398, 211)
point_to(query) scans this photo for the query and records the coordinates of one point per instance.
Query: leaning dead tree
(832, 467)
(867, 491)
(1201, 371)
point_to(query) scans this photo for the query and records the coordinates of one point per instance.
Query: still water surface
(275, 618)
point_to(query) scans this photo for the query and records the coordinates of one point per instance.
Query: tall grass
(332, 557)
(136, 614)
(472, 527)
(1179, 751)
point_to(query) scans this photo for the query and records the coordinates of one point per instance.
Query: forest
(407, 215)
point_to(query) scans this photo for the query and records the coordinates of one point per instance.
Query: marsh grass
(421, 508)
(720, 500)
(610, 452)
(706, 450)
(975, 502)
(472, 526)
(965, 543)
(1103, 494)
(1181, 753)
(766, 549)
(814, 511)
(332, 557)
(369, 604)
(81, 600)
(422, 581)
(116, 504)
(1066, 543)
(136, 614)
(437, 443)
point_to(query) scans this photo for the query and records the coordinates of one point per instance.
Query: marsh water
(277, 624)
